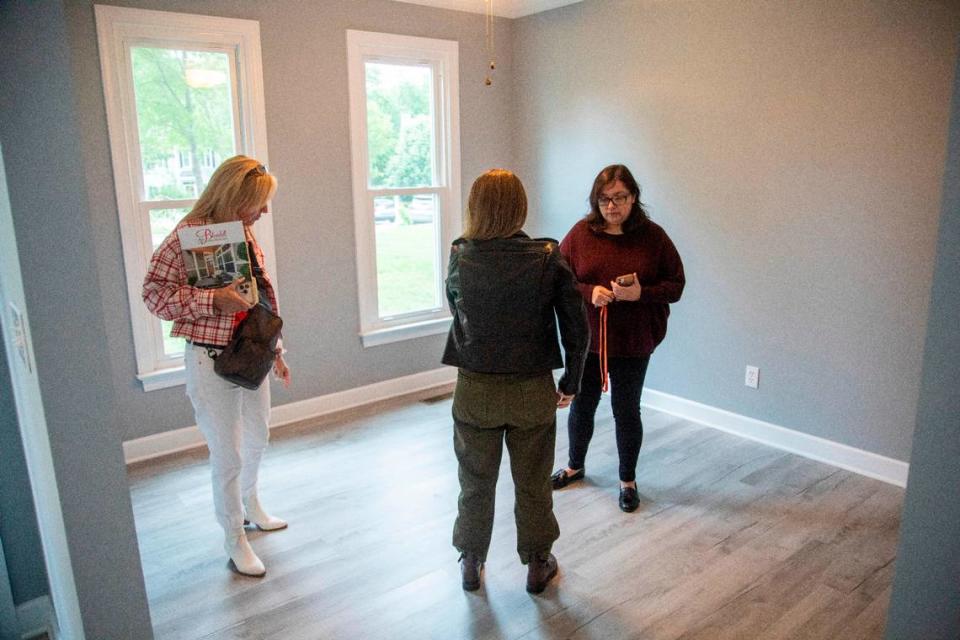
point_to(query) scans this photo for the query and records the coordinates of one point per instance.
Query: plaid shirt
(168, 296)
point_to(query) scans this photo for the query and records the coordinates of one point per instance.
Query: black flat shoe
(629, 499)
(560, 479)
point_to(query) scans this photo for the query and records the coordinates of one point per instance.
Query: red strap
(238, 318)
(604, 381)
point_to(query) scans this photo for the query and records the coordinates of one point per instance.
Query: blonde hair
(239, 184)
(497, 207)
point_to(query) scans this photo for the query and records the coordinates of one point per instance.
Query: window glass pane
(400, 128)
(407, 270)
(385, 209)
(184, 118)
(172, 347)
(162, 222)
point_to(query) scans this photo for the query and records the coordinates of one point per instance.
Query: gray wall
(794, 152)
(305, 79)
(925, 604)
(19, 535)
(41, 121)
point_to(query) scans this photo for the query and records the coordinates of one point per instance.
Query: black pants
(626, 384)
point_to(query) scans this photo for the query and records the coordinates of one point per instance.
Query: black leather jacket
(507, 296)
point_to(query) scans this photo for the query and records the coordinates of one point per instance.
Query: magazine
(216, 255)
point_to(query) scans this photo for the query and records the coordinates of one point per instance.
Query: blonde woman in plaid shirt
(233, 420)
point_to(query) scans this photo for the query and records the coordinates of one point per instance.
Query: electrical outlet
(752, 378)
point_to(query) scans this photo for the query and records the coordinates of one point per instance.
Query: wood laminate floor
(733, 540)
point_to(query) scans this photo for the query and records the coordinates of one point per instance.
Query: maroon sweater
(633, 328)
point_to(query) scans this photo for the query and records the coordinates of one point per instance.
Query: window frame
(119, 29)
(443, 57)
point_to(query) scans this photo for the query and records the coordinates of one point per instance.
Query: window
(405, 147)
(183, 93)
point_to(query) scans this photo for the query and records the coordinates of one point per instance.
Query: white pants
(234, 421)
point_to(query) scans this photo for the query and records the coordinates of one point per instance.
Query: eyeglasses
(617, 200)
(258, 170)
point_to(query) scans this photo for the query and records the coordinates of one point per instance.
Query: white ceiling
(502, 8)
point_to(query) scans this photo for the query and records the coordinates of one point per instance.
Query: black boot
(470, 569)
(540, 570)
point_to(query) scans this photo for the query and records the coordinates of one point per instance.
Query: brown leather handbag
(250, 355)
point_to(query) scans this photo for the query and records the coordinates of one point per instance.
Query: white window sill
(378, 337)
(162, 378)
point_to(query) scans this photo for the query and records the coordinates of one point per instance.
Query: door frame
(31, 420)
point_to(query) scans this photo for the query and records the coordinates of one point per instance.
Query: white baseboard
(37, 616)
(169, 442)
(840, 455)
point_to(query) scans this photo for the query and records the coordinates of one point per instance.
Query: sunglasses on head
(258, 170)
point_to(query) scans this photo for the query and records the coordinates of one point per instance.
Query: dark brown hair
(497, 207)
(638, 212)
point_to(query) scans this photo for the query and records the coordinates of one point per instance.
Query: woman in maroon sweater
(617, 240)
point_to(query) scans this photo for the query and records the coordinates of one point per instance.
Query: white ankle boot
(254, 513)
(243, 560)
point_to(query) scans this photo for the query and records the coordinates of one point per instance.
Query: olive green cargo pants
(521, 409)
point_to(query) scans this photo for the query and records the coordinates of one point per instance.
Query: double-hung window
(183, 93)
(405, 148)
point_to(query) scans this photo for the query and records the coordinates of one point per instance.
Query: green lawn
(405, 268)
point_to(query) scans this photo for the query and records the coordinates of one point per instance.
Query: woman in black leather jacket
(508, 294)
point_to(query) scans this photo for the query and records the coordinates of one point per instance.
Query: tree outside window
(184, 118)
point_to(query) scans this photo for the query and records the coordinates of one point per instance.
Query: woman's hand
(629, 294)
(281, 370)
(601, 296)
(563, 400)
(228, 300)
